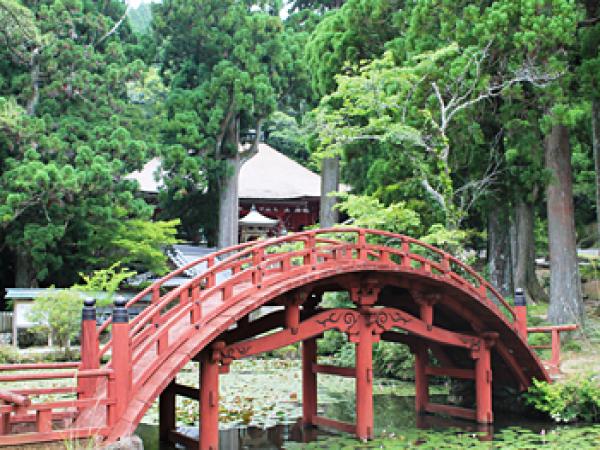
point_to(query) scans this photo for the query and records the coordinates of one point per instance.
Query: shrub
(8, 355)
(577, 399)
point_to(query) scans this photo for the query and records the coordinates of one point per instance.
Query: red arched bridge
(402, 290)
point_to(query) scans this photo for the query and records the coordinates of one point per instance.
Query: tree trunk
(228, 189)
(228, 204)
(596, 150)
(330, 182)
(524, 265)
(499, 259)
(25, 276)
(566, 300)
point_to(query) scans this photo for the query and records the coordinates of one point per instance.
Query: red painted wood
(14, 398)
(90, 348)
(454, 411)
(483, 381)
(335, 424)
(521, 320)
(335, 370)
(121, 363)
(309, 381)
(453, 372)
(162, 340)
(364, 381)
(209, 403)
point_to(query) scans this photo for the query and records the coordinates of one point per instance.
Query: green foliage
(369, 212)
(141, 243)
(140, 18)
(58, 313)
(508, 438)
(576, 399)
(287, 136)
(69, 135)
(226, 73)
(8, 355)
(106, 281)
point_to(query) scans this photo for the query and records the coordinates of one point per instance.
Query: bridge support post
(309, 381)
(121, 361)
(483, 379)
(90, 348)
(421, 378)
(166, 412)
(364, 380)
(209, 401)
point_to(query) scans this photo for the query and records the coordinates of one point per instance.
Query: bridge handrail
(255, 253)
(155, 287)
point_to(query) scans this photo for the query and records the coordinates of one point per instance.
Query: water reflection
(393, 414)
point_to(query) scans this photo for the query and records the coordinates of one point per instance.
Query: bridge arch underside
(465, 333)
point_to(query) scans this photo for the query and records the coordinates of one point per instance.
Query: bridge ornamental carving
(401, 290)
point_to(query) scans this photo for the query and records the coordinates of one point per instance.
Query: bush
(577, 399)
(8, 355)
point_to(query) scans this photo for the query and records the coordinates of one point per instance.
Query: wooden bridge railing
(37, 419)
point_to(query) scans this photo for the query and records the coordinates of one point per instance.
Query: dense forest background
(472, 125)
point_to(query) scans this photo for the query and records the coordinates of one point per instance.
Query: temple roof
(267, 175)
(271, 174)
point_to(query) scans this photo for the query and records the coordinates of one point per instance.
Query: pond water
(395, 419)
(261, 404)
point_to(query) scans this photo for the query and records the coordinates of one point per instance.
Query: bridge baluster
(90, 348)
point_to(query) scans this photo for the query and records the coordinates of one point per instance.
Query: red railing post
(90, 348)
(121, 357)
(364, 380)
(43, 420)
(309, 381)
(521, 313)
(555, 359)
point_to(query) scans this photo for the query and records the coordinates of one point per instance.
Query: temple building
(273, 189)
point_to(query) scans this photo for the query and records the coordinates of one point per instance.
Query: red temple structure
(277, 186)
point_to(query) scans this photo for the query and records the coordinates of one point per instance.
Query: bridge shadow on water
(393, 414)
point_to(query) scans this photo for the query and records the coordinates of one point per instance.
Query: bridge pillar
(166, 412)
(309, 381)
(421, 378)
(364, 380)
(483, 378)
(209, 401)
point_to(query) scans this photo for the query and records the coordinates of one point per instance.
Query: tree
(69, 135)
(226, 73)
(57, 312)
(357, 31)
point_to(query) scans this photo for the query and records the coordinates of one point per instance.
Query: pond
(261, 410)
